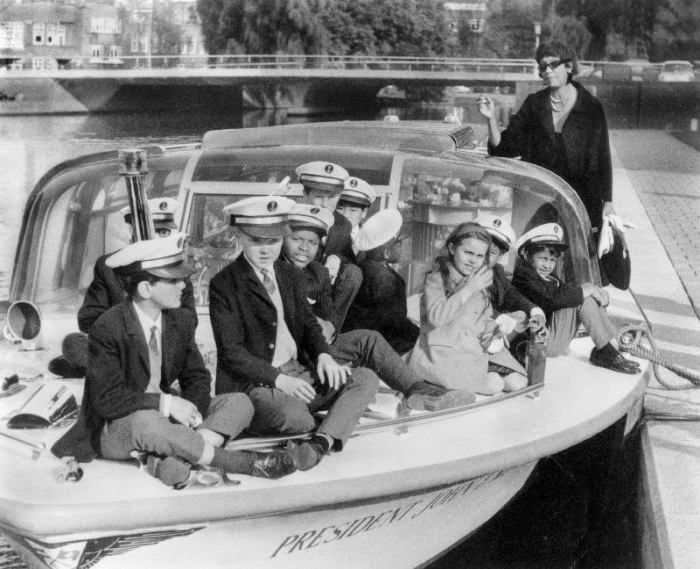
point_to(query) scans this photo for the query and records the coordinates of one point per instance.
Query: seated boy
(565, 304)
(138, 349)
(323, 182)
(107, 289)
(269, 344)
(309, 225)
(381, 302)
(353, 205)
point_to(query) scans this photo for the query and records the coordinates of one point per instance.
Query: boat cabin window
(437, 195)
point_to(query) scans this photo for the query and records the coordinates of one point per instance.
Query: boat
(409, 485)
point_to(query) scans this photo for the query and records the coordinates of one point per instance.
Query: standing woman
(561, 128)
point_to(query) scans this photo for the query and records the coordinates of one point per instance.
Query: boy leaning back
(565, 304)
(269, 344)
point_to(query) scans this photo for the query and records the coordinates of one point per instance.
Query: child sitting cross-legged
(566, 304)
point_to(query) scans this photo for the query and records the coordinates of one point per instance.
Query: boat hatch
(418, 136)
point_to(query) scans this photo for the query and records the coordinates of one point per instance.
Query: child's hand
(588, 289)
(295, 387)
(481, 279)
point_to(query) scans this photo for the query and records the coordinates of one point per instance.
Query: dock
(657, 187)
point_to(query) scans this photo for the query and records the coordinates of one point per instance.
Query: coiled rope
(630, 340)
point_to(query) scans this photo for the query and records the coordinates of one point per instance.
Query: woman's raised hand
(486, 106)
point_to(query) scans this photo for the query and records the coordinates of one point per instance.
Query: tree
(167, 33)
(337, 27)
(572, 32)
(676, 30)
(262, 26)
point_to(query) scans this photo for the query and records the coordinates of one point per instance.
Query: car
(676, 71)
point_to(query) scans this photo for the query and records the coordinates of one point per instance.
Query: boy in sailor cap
(323, 183)
(566, 304)
(355, 199)
(269, 344)
(381, 302)
(368, 348)
(107, 289)
(504, 296)
(138, 349)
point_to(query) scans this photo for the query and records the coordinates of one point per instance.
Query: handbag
(613, 253)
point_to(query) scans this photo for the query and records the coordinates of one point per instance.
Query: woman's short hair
(559, 50)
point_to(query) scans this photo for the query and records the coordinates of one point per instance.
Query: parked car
(637, 67)
(675, 71)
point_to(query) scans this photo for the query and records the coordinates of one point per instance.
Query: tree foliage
(341, 27)
(167, 33)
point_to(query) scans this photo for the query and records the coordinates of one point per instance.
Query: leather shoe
(274, 464)
(424, 396)
(618, 362)
(306, 454)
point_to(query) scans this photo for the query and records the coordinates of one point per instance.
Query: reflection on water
(31, 145)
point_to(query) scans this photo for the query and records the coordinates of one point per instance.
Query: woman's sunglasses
(543, 65)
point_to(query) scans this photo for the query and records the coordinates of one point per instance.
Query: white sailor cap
(164, 257)
(311, 217)
(162, 212)
(379, 229)
(324, 176)
(261, 216)
(550, 234)
(357, 192)
(499, 229)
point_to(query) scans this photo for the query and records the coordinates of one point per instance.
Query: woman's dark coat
(531, 136)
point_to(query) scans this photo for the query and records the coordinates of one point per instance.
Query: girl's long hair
(457, 235)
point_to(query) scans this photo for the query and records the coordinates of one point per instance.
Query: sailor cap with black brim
(379, 229)
(323, 176)
(357, 192)
(499, 229)
(264, 217)
(550, 234)
(311, 217)
(162, 257)
(162, 212)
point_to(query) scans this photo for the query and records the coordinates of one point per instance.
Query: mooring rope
(630, 340)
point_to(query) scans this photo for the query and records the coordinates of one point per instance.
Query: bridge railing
(436, 64)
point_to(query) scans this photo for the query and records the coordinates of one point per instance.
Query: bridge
(302, 84)
(299, 84)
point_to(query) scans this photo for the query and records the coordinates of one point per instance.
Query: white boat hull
(399, 532)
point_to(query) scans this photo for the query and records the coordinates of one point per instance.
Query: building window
(96, 51)
(115, 51)
(44, 63)
(38, 34)
(134, 43)
(104, 25)
(11, 35)
(60, 34)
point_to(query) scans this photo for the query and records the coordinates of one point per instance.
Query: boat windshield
(74, 217)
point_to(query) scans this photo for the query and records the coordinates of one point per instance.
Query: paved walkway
(657, 187)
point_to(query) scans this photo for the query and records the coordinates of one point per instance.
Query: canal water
(541, 528)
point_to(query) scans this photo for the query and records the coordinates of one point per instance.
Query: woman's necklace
(559, 103)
